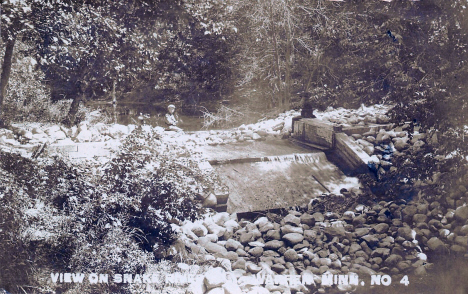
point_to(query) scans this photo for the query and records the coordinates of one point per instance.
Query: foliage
(114, 218)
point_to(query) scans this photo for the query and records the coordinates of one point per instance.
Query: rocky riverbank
(31, 134)
(393, 238)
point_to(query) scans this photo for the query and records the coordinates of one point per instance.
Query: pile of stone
(362, 116)
(387, 238)
(279, 127)
(58, 134)
(383, 145)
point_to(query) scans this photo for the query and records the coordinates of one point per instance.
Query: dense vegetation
(411, 53)
(58, 217)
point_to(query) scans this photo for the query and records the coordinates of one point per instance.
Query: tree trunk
(288, 57)
(70, 120)
(6, 70)
(277, 59)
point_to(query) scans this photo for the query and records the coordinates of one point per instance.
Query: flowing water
(258, 181)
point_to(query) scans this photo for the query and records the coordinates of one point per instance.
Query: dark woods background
(256, 53)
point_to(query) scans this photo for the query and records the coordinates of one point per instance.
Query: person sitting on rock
(172, 119)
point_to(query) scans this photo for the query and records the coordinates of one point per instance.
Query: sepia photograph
(233, 146)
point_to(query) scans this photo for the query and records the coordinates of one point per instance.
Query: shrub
(115, 218)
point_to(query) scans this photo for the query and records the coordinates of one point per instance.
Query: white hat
(170, 106)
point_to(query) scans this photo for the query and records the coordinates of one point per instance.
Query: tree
(268, 29)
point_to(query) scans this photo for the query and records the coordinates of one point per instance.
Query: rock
(406, 233)
(257, 244)
(364, 270)
(199, 230)
(436, 245)
(354, 248)
(225, 263)
(239, 264)
(307, 219)
(291, 220)
(335, 232)
(117, 131)
(419, 218)
(461, 213)
(318, 217)
(197, 286)
(274, 244)
(278, 127)
(256, 251)
(291, 255)
(381, 228)
(401, 144)
(278, 268)
(231, 288)
(212, 237)
(381, 252)
(258, 290)
(463, 231)
(265, 228)
(216, 230)
(293, 238)
(241, 252)
(392, 260)
(232, 256)
(273, 235)
(345, 288)
(232, 245)
(215, 248)
(60, 135)
(348, 216)
(310, 235)
(214, 277)
(231, 224)
(253, 268)
(458, 249)
(360, 232)
(418, 144)
(220, 218)
(261, 221)
(245, 238)
(287, 229)
(461, 240)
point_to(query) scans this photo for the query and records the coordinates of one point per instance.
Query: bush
(115, 218)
